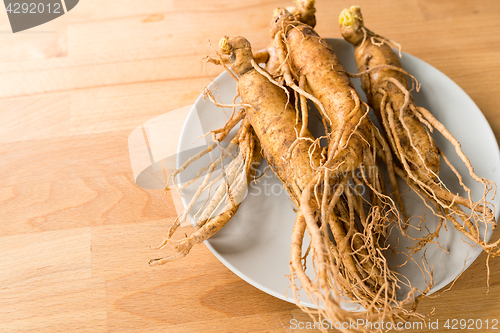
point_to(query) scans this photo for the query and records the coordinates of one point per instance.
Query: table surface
(75, 228)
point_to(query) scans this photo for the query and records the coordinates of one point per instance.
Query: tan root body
(407, 127)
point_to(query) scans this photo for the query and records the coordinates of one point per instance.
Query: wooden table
(75, 228)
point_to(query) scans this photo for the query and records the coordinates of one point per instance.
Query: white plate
(255, 244)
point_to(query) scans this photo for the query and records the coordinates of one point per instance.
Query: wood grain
(76, 230)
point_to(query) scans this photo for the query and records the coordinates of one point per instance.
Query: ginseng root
(407, 127)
